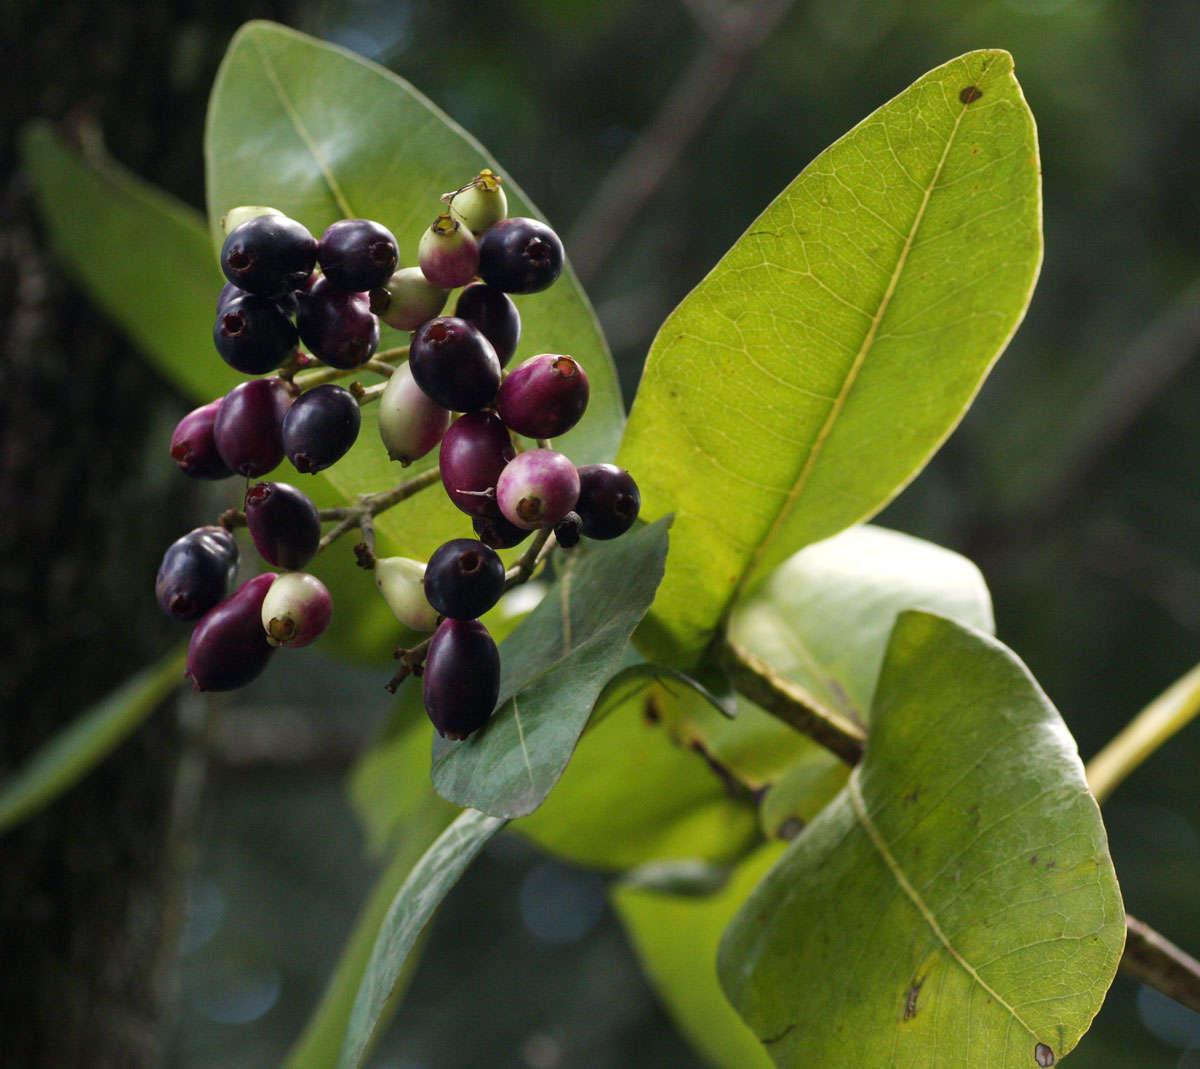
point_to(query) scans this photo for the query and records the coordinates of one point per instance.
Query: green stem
(373, 504)
(1144, 734)
(318, 376)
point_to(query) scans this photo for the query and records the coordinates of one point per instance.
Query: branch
(732, 39)
(784, 700)
(1160, 964)
(1148, 957)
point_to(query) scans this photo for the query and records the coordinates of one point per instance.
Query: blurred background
(650, 135)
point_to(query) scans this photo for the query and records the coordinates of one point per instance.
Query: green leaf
(437, 871)
(67, 757)
(323, 1035)
(107, 225)
(553, 667)
(320, 134)
(824, 359)
(675, 937)
(668, 803)
(956, 905)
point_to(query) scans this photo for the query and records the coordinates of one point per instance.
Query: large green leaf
(956, 905)
(69, 755)
(676, 938)
(321, 134)
(437, 871)
(553, 667)
(668, 802)
(818, 366)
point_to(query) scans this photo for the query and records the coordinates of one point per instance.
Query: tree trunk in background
(90, 889)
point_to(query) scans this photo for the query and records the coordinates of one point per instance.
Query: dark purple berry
(410, 424)
(195, 573)
(568, 530)
(543, 397)
(537, 488)
(320, 427)
(193, 447)
(248, 429)
(357, 254)
(229, 648)
(253, 335)
(609, 500)
(284, 524)
(448, 253)
(408, 299)
(464, 578)
(336, 325)
(268, 255)
(498, 533)
(493, 313)
(296, 610)
(454, 364)
(461, 681)
(520, 256)
(228, 292)
(475, 449)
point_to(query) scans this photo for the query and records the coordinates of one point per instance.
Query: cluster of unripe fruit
(285, 289)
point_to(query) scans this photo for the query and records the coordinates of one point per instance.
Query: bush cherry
(520, 256)
(248, 428)
(196, 572)
(461, 678)
(448, 254)
(464, 578)
(268, 255)
(609, 500)
(296, 610)
(410, 424)
(543, 397)
(320, 427)
(229, 648)
(193, 447)
(537, 488)
(357, 254)
(284, 524)
(475, 450)
(454, 364)
(339, 327)
(495, 316)
(253, 335)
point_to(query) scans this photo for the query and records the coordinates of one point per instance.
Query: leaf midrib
(814, 454)
(913, 895)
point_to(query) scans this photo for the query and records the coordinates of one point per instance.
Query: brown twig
(1160, 964)
(733, 33)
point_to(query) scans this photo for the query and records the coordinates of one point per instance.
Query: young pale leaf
(553, 667)
(86, 741)
(824, 359)
(956, 904)
(438, 870)
(675, 937)
(321, 134)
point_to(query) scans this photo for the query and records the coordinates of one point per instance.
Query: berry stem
(371, 505)
(410, 663)
(543, 542)
(388, 358)
(364, 395)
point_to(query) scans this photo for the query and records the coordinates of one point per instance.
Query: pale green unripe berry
(234, 218)
(296, 610)
(481, 204)
(408, 299)
(410, 424)
(401, 581)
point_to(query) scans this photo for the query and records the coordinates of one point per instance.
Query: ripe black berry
(248, 427)
(461, 678)
(537, 488)
(448, 253)
(253, 335)
(337, 326)
(296, 610)
(229, 648)
(193, 447)
(492, 311)
(544, 397)
(410, 424)
(320, 427)
(520, 256)
(475, 449)
(498, 533)
(464, 578)
(357, 254)
(609, 500)
(454, 364)
(408, 299)
(284, 524)
(195, 573)
(268, 255)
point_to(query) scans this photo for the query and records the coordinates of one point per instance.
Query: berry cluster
(288, 289)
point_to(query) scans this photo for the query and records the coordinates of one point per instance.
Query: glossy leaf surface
(829, 353)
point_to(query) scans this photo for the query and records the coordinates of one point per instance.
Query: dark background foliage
(1071, 482)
